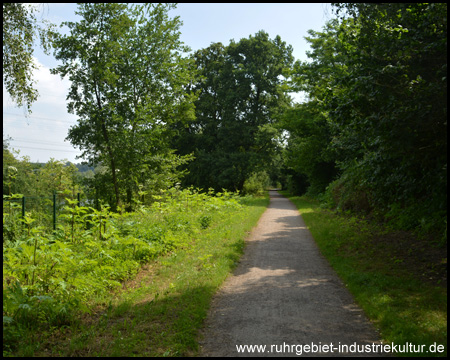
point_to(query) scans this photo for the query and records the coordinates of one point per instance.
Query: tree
(241, 96)
(20, 176)
(19, 32)
(56, 177)
(393, 111)
(309, 152)
(379, 75)
(128, 83)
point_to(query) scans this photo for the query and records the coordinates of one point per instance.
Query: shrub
(256, 184)
(344, 194)
(50, 278)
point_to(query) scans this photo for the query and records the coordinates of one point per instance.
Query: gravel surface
(284, 295)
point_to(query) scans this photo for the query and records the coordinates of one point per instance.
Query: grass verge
(160, 311)
(404, 307)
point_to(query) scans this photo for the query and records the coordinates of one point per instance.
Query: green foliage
(205, 221)
(11, 217)
(128, 85)
(20, 27)
(34, 186)
(55, 176)
(295, 183)
(345, 195)
(394, 108)
(18, 174)
(50, 278)
(308, 151)
(22, 177)
(377, 112)
(241, 95)
(256, 184)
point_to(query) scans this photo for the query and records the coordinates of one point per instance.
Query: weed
(205, 221)
(51, 280)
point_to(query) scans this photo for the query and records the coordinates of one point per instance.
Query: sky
(41, 135)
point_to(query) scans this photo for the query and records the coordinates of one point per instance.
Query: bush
(48, 279)
(205, 221)
(256, 184)
(344, 194)
(347, 195)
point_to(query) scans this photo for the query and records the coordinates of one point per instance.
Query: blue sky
(41, 135)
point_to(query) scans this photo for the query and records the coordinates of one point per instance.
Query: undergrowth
(51, 279)
(387, 274)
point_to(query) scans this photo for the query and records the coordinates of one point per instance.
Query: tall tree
(309, 151)
(379, 77)
(128, 83)
(240, 99)
(20, 29)
(392, 111)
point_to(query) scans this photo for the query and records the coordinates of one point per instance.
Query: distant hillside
(81, 167)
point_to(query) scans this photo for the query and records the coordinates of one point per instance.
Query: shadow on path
(284, 292)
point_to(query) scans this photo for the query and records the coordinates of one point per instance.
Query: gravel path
(284, 293)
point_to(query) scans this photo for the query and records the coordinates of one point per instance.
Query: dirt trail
(284, 292)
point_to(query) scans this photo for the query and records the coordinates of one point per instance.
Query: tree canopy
(240, 98)
(371, 135)
(377, 84)
(128, 84)
(20, 29)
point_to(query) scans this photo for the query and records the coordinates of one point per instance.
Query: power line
(37, 141)
(38, 117)
(40, 126)
(36, 148)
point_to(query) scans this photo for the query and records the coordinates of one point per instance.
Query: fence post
(54, 211)
(23, 209)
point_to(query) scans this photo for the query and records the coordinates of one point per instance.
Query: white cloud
(41, 135)
(50, 86)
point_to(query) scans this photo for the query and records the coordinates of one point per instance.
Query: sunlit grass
(162, 309)
(403, 308)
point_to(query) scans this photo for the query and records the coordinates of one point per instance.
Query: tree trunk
(110, 152)
(129, 199)
(113, 164)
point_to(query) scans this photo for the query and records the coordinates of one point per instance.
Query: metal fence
(43, 209)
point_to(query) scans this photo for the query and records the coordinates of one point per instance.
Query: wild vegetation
(373, 135)
(51, 278)
(242, 90)
(400, 281)
(156, 123)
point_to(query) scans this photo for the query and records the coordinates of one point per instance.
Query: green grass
(403, 307)
(161, 310)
